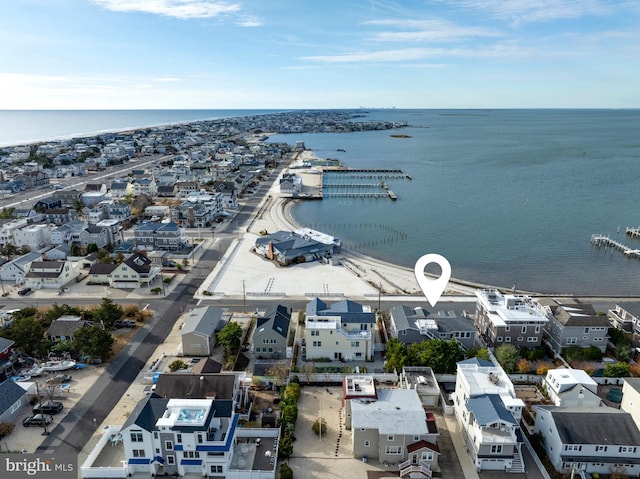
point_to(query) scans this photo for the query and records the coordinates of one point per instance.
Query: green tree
(108, 312)
(480, 353)
(93, 341)
(285, 448)
(92, 248)
(439, 354)
(289, 413)
(285, 470)
(617, 370)
(279, 373)
(7, 213)
(292, 393)
(318, 426)
(177, 364)
(230, 338)
(508, 356)
(57, 311)
(28, 334)
(75, 250)
(395, 355)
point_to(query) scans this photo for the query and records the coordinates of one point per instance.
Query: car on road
(49, 407)
(59, 379)
(38, 420)
(124, 323)
(24, 291)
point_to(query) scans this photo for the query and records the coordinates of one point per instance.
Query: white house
(571, 387)
(488, 413)
(33, 236)
(599, 440)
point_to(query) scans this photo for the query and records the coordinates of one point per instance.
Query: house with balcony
(119, 189)
(625, 317)
(34, 237)
(391, 426)
(134, 272)
(600, 440)
(162, 236)
(144, 186)
(15, 270)
(488, 413)
(573, 323)
(509, 318)
(50, 274)
(68, 233)
(187, 437)
(414, 325)
(340, 331)
(96, 235)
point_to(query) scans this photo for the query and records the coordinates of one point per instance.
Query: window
(416, 438)
(216, 469)
(572, 340)
(390, 437)
(532, 339)
(315, 332)
(136, 436)
(537, 329)
(168, 445)
(178, 438)
(317, 344)
(601, 448)
(394, 450)
(199, 439)
(171, 460)
(507, 328)
(138, 453)
(496, 449)
(155, 435)
(586, 330)
(191, 454)
(523, 330)
(427, 456)
(355, 344)
(367, 443)
(520, 339)
(15, 406)
(507, 339)
(499, 339)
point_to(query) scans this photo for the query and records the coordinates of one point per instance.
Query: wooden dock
(606, 241)
(633, 232)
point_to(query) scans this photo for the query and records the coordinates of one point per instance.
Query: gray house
(573, 323)
(198, 332)
(414, 325)
(12, 399)
(271, 336)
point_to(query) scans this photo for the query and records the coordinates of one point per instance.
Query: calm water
(510, 197)
(29, 126)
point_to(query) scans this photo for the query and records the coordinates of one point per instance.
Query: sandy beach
(357, 276)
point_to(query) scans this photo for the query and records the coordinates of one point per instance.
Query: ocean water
(509, 197)
(29, 126)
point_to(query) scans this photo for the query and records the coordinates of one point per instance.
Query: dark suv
(24, 291)
(38, 420)
(49, 407)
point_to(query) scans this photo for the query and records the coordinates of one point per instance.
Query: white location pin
(433, 288)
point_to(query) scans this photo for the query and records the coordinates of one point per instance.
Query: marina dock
(605, 241)
(356, 183)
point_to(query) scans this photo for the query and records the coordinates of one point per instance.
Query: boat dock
(633, 232)
(600, 240)
(356, 183)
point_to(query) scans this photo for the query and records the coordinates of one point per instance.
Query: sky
(299, 54)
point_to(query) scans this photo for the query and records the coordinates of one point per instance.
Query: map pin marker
(433, 288)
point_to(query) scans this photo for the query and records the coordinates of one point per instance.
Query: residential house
(16, 270)
(341, 331)
(574, 323)
(414, 325)
(68, 233)
(508, 318)
(31, 215)
(96, 235)
(290, 184)
(600, 440)
(229, 194)
(92, 197)
(134, 272)
(114, 230)
(625, 317)
(48, 203)
(202, 385)
(33, 179)
(60, 216)
(63, 328)
(271, 336)
(195, 436)
(631, 398)
(186, 187)
(6, 363)
(118, 211)
(13, 398)
(391, 426)
(119, 189)
(488, 413)
(8, 228)
(162, 236)
(167, 191)
(198, 332)
(571, 388)
(68, 198)
(100, 273)
(95, 213)
(50, 274)
(33, 237)
(144, 186)
(423, 380)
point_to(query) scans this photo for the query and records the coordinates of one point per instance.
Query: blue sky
(69, 54)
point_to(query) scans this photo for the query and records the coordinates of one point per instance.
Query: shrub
(319, 426)
(285, 471)
(177, 365)
(6, 428)
(155, 290)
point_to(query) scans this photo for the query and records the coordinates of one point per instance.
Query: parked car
(38, 420)
(59, 379)
(124, 323)
(49, 407)
(24, 291)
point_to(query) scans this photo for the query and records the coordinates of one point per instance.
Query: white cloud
(517, 11)
(429, 30)
(167, 80)
(182, 9)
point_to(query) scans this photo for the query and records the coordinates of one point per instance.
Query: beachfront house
(625, 317)
(342, 331)
(599, 440)
(488, 413)
(508, 318)
(414, 325)
(391, 426)
(287, 247)
(573, 323)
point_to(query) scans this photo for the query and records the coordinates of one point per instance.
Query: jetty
(600, 240)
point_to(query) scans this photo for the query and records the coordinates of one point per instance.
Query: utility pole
(244, 298)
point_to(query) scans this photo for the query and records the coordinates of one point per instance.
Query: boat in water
(59, 365)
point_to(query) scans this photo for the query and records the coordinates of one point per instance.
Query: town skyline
(126, 54)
